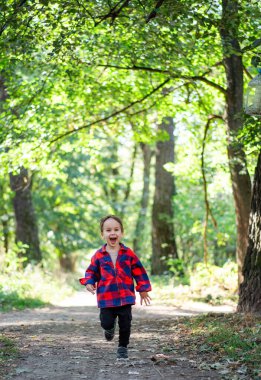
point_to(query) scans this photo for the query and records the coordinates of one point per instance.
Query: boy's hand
(91, 288)
(145, 297)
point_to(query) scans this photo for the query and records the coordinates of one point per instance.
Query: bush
(29, 286)
(210, 284)
(213, 284)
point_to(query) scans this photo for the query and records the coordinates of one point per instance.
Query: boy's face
(112, 233)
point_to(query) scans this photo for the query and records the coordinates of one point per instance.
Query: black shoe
(122, 353)
(109, 334)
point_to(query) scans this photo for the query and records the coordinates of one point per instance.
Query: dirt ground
(66, 342)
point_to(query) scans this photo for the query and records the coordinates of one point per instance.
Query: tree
(138, 242)
(241, 184)
(250, 289)
(163, 236)
(26, 222)
(21, 184)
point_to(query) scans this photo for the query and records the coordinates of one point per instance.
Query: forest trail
(65, 342)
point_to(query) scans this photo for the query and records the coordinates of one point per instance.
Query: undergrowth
(233, 339)
(29, 286)
(32, 286)
(8, 350)
(210, 284)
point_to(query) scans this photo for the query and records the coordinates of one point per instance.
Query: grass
(231, 338)
(32, 287)
(15, 301)
(8, 350)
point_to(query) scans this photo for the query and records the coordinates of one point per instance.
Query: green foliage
(209, 284)
(17, 300)
(87, 186)
(214, 284)
(15, 259)
(176, 267)
(250, 135)
(28, 287)
(206, 275)
(69, 71)
(189, 205)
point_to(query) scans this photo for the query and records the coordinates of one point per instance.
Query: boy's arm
(92, 273)
(140, 275)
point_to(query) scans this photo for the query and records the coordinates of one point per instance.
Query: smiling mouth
(113, 240)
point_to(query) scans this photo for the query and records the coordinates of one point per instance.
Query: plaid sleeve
(140, 275)
(92, 273)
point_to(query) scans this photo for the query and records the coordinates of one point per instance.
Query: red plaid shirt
(115, 286)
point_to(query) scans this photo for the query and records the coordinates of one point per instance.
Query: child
(111, 273)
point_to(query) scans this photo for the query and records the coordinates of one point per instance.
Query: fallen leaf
(161, 358)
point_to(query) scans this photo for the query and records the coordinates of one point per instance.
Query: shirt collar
(122, 248)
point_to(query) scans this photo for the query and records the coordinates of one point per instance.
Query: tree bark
(26, 224)
(128, 184)
(163, 237)
(4, 219)
(5, 229)
(111, 172)
(241, 183)
(141, 222)
(68, 263)
(250, 289)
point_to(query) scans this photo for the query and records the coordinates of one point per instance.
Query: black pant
(108, 316)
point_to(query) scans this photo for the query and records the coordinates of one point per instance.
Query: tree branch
(252, 46)
(164, 94)
(207, 206)
(114, 12)
(19, 5)
(112, 114)
(247, 73)
(154, 11)
(201, 78)
(130, 179)
(209, 82)
(86, 10)
(136, 68)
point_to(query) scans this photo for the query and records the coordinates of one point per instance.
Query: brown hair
(103, 220)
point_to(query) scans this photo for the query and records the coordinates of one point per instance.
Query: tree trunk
(111, 171)
(138, 242)
(163, 237)
(250, 289)
(68, 263)
(26, 224)
(124, 203)
(5, 234)
(241, 183)
(4, 219)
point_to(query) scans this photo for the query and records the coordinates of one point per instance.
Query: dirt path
(66, 343)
